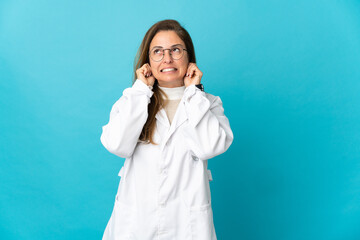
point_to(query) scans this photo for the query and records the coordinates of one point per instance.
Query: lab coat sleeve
(208, 132)
(127, 118)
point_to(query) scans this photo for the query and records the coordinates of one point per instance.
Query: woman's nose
(167, 56)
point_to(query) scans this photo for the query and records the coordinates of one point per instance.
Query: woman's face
(175, 71)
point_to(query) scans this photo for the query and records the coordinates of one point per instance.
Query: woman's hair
(142, 57)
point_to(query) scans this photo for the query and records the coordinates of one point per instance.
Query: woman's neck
(173, 93)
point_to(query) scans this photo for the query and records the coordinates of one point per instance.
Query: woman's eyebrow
(171, 46)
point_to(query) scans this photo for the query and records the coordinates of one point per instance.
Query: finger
(142, 70)
(192, 72)
(148, 69)
(193, 65)
(189, 71)
(196, 70)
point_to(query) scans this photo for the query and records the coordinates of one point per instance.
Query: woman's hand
(144, 74)
(193, 75)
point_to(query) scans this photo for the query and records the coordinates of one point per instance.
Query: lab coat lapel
(162, 118)
(179, 118)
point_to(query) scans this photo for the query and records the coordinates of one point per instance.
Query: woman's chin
(168, 82)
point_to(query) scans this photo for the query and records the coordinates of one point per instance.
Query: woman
(166, 127)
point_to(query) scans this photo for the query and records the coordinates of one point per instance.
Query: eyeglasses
(157, 54)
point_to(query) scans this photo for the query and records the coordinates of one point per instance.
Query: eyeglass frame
(163, 49)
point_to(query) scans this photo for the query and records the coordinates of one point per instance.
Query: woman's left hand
(193, 75)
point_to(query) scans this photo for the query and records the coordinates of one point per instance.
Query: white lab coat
(164, 191)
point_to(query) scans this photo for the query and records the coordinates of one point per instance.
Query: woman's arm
(208, 132)
(127, 118)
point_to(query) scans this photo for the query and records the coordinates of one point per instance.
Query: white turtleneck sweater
(174, 96)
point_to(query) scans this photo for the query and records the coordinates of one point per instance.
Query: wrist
(192, 83)
(200, 86)
(145, 83)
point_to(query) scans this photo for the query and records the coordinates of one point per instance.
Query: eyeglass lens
(157, 54)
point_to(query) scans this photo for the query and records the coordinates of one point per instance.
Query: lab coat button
(162, 170)
(162, 204)
(195, 158)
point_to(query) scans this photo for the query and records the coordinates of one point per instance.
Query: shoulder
(213, 99)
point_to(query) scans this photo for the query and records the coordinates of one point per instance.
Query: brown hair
(142, 57)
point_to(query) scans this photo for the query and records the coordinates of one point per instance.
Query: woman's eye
(157, 51)
(176, 50)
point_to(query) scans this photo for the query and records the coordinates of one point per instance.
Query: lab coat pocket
(124, 169)
(123, 218)
(201, 221)
(121, 172)
(121, 223)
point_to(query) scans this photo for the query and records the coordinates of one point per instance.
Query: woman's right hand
(144, 74)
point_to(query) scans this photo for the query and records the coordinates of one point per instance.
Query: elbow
(116, 147)
(216, 147)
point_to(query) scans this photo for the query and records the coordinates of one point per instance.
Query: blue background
(289, 77)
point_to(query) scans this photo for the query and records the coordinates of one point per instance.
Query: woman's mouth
(165, 70)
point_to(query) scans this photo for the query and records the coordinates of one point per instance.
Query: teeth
(168, 69)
